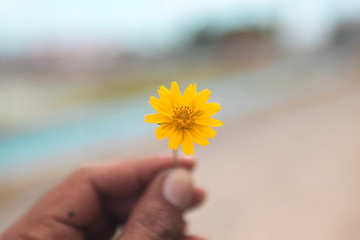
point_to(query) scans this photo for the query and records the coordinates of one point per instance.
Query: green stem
(175, 158)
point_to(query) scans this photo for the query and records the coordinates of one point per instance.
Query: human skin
(139, 195)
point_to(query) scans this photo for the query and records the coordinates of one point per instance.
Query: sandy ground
(290, 175)
(291, 172)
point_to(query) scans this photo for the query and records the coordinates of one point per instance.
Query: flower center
(183, 117)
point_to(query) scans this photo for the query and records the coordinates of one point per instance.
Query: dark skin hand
(147, 197)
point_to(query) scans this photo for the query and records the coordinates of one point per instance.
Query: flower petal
(189, 94)
(208, 110)
(201, 99)
(208, 121)
(187, 144)
(205, 130)
(198, 136)
(175, 139)
(164, 130)
(156, 118)
(160, 106)
(164, 93)
(175, 94)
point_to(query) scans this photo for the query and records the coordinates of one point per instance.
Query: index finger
(127, 178)
(78, 202)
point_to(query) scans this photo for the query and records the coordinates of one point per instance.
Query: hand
(145, 196)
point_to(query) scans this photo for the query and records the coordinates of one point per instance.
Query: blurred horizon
(26, 26)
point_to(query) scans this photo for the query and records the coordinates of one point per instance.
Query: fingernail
(178, 188)
(189, 160)
(195, 238)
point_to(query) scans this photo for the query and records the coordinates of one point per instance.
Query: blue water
(122, 120)
(116, 122)
(113, 122)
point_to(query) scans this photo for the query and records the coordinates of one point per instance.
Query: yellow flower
(184, 118)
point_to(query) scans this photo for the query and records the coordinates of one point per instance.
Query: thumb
(158, 214)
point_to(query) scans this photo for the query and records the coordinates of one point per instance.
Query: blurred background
(75, 78)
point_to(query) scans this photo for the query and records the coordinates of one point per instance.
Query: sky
(140, 24)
